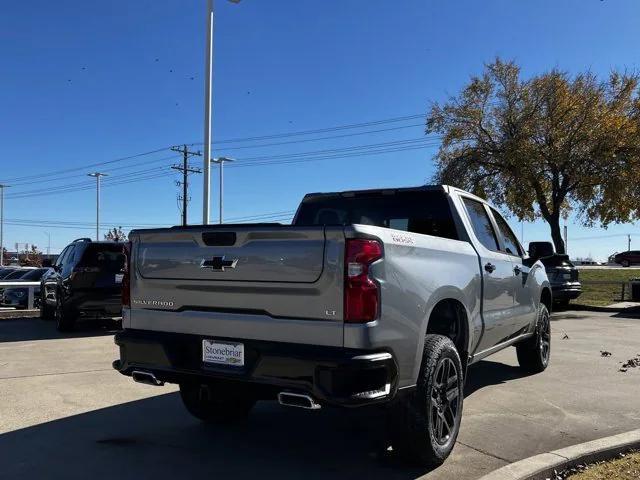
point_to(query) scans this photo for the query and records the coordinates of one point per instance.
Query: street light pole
(208, 74)
(97, 175)
(208, 95)
(2, 187)
(221, 161)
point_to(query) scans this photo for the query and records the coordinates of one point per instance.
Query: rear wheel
(535, 352)
(65, 318)
(426, 423)
(215, 405)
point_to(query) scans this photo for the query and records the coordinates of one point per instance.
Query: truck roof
(389, 191)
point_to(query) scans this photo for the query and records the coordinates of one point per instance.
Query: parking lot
(66, 414)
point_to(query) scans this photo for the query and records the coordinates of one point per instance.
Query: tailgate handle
(219, 239)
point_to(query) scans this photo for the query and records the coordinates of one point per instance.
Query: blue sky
(88, 82)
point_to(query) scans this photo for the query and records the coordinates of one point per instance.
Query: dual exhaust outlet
(288, 399)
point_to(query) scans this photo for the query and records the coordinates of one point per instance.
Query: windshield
(6, 272)
(16, 274)
(34, 275)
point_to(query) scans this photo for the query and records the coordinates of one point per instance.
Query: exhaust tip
(299, 400)
(147, 378)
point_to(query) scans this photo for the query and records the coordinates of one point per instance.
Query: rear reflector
(361, 293)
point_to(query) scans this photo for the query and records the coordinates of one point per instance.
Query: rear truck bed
(278, 291)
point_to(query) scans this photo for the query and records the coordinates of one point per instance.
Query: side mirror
(47, 263)
(541, 249)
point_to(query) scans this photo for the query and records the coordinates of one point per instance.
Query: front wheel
(209, 404)
(46, 312)
(535, 352)
(425, 425)
(626, 263)
(65, 318)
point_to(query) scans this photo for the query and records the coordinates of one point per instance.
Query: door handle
(490, 267)
(517, 270)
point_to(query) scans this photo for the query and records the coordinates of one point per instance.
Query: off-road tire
(418, 422)
(65, 317)
(204, 403)
(535, 352)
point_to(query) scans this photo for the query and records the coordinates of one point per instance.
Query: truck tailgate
(187, 278)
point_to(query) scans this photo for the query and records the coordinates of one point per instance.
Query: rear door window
(481, 224)
(511, 245)
(420, 211)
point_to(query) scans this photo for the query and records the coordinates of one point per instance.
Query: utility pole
(48, 234)
(221, 161)
(208, 89)
(628, 242)
(566, 241)
(185, 173)
(2, 187)
(97, 176)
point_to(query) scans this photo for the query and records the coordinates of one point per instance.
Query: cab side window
(511, 245)
(481, 224)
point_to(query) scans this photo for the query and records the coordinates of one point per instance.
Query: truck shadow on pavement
(487, 372)
(29, 329)
(155, 437)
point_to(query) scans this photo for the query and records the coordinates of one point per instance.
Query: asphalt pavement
(64, 413)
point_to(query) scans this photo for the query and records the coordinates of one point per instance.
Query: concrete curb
(593, 308)
(13, 314)
(542, 466)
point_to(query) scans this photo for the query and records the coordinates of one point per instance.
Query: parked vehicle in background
(563, 275)
(6, 271)
(14, 275)
(370, 297)
(85, 281)
(626, 259)
(18, 297)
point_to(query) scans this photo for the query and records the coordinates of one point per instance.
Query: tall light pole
(221, 161)
(97, 175)
(208, 88)
(2, 187)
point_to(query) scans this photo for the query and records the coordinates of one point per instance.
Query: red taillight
(126, 283)
(361, 293)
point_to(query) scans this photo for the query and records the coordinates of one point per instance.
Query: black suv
(563, 275)
(85, 281)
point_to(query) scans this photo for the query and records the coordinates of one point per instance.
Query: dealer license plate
(223, 353)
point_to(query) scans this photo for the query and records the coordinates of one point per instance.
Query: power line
(222, 142)
(365, 150)
(128, 175)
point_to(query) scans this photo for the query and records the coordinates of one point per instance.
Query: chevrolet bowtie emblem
(218, 264)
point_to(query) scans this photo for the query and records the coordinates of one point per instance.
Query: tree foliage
(545, 146)
(116, 235)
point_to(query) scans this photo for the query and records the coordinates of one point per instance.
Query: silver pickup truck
(369, 297)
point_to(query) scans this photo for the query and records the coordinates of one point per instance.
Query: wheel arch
(447, 308)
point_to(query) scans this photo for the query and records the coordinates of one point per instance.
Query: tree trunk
(556, 234)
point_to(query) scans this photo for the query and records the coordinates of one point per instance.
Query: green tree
(544, 146)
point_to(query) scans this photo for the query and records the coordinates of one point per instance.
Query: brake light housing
(126, 279)
(361, 293)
